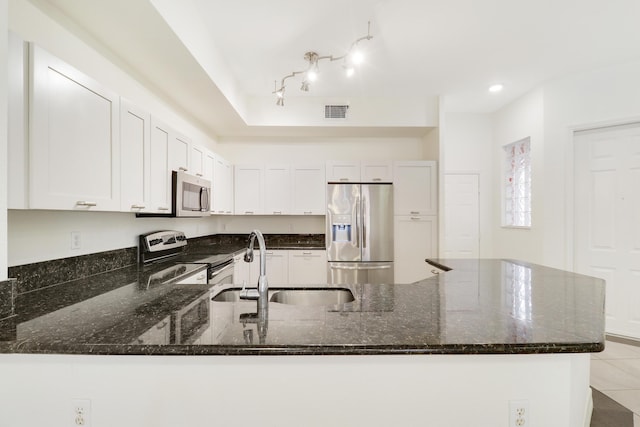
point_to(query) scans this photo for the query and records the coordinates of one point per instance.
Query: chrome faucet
(263, 285)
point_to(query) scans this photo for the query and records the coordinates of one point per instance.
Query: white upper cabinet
(209, 165)
(196, 161)
(160, 179)
(222, 186)
(308, 189)
(277, 189)
(74, 139)
(376, 171)
(18, 149)
(179, 152)
(248, 189)
(415, 188)
(343, 171)
(359, 171)
(135, 173)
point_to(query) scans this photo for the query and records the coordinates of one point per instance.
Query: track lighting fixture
(351, 58)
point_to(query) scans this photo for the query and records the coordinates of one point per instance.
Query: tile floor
(616, 373)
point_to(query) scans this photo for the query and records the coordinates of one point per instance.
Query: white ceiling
(420, 48)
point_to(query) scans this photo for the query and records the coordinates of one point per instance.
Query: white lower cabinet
(416, 238)
(307, 267)
(278, 267)
(284, 267)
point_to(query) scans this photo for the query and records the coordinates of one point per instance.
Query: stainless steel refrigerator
(359, 233)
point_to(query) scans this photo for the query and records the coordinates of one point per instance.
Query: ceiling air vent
(335, 111)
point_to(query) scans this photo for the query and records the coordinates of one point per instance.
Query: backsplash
(31, 277)
(40, 275)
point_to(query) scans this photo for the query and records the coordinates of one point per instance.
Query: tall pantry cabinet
(415, 218)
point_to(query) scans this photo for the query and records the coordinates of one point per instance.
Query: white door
(607, 219)
(461, 216)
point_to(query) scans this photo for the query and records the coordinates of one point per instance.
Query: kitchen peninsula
(483, 334)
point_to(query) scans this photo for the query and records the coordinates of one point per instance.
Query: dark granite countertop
(479, 307)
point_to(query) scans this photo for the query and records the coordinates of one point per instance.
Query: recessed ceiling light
(495, 88)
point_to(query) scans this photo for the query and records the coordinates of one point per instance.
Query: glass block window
(517, 184)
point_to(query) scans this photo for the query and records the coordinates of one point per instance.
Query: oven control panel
(163, 240)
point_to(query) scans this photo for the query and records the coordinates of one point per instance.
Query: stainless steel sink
(311, 297)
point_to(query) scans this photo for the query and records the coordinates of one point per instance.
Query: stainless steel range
(165, 259)
(170, 247)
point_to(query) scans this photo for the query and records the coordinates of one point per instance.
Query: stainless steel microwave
(191, 195)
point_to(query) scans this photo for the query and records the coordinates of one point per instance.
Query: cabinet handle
(344, 179)
(415, 218)
(228, 212)
(376, 179)
(308, 212)
(183, 169)
(248, 212)
(269, 253)
(415, 212)
(162, 208)
(306, 253)
(277, 212)
(85, 203)
(199, 174)
(435, 271)
(137, 206)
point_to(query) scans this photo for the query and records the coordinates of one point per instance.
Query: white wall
(320, 149)
(521, 119)
(468, 148)
(604, 96)
(37, 235)
(548, 115)
(433, 390)
(3, 137)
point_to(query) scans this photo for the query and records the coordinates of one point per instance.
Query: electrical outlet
(76, 241)
(81, 413)
(519, 413)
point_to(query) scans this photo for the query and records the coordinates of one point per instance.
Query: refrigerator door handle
(363, 217)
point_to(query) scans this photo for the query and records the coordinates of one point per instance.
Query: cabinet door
(196, 161)
(209, 166)
(307, 267)
(179, 151)
(277, 267)
(241, 271)
(343, 171)
(222, 186)
(415, 188)
(74, 142)
(416, 238)
(308, 190)
(277, 190)
(18, 148)
(160, 179)
(135, 138)
(249, 189)
(376, 171)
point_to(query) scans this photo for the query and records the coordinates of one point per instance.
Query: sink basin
(313, 297)
(317, 297)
